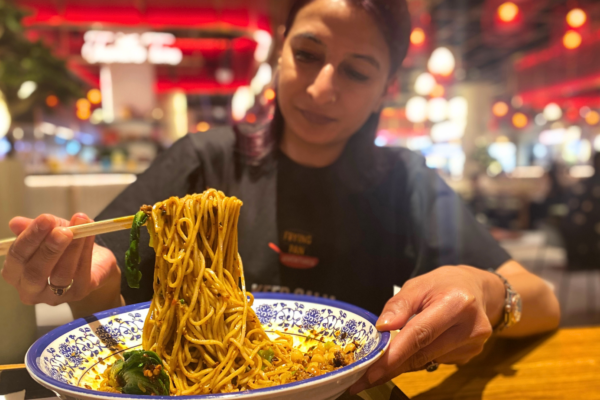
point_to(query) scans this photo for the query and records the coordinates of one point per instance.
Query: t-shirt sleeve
(175, 172)
(445, 231)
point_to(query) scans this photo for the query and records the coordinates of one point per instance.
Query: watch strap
(508, 290)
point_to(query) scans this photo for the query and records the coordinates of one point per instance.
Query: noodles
(200, 322)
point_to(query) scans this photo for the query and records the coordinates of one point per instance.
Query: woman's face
(334, 70)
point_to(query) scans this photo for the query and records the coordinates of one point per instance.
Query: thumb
(400, 309)
(18, 224)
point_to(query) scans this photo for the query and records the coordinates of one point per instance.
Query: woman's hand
(455, 309)
(45, 248)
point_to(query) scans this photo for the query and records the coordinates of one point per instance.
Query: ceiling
(485, 51)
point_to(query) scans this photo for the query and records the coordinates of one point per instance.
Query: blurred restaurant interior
(502, 98)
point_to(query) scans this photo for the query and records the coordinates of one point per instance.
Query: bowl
(68, 359)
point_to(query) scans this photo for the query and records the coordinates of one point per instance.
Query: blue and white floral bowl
(68, 359)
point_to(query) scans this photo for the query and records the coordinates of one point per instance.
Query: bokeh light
(5, 117)
(520, 120)
(97, 116)
(507, 12)
(202, 126)
(417, 36)
(572, 40)
(416, 109)
(576, 18)
(4, 146)
(83, 103)
(540, 120)
(73, 147)
(552, 112)
(458, 109)
(94, 96)
(425, 84)
(388, 112)
(592, 117)
(500, 109)
(437, 109)
(51, 101)
(83, 113)
(438, 91)
(269, 94)
(441, 62)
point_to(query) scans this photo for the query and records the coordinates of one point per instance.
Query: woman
(355, 218)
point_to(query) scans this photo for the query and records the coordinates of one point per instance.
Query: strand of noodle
(200, 321)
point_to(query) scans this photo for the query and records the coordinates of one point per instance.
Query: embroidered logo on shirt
(298, 261)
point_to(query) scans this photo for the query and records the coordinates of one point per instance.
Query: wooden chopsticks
(11, 366)
(85, 230)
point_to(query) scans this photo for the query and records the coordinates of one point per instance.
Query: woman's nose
(322, 90)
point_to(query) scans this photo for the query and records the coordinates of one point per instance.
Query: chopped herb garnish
(267, 354)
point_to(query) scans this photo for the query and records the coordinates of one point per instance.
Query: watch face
(516, 307)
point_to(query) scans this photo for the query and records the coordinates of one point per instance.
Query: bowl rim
(42, 343)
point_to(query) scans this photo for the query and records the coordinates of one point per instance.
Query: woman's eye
(304, 56)
(353, 74)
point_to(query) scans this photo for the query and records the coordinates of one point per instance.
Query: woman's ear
(280, 40)
(388, 93)
(377, 107)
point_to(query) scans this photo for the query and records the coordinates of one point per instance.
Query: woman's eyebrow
(313, 38)
(369, 59)
(310, 36)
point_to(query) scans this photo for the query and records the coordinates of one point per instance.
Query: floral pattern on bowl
(71, 357)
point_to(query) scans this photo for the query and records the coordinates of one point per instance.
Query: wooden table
(561, 365)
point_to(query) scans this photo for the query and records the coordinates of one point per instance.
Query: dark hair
(359, 165)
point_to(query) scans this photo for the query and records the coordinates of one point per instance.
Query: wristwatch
(512, 306)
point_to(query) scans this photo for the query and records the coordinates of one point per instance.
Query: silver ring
(59, 290)
(431, 366)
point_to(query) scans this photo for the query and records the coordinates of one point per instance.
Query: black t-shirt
(303, 230)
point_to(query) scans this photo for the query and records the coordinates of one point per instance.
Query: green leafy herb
(128, 377)
(132, 256)
(152, 233)
(182, 301)
(267, 354)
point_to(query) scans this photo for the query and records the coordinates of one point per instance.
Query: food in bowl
(71, 359)
(201, 324)
(201, 312)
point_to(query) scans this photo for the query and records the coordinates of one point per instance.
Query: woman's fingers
(438, 315)
(82, 275)
(400, 308)
(435, 318)
(34, 279)
(27, 243)
(64, 271)
(412, 341)
(18, 224)
(461, 355)
(443, 351)
(45, 248)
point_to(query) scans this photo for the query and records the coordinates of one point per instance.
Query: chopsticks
(11, 366)
(85, 230)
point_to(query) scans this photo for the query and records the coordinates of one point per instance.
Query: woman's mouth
(317, 119)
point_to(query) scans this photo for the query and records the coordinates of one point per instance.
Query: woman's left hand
(454, 310)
